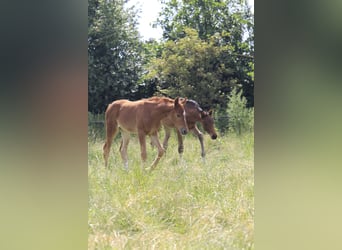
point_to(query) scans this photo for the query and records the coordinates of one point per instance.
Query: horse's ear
(203, 114)
(176, 101)
(210, 112)
(184, 100)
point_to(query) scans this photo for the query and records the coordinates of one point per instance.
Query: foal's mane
(160, 99)
(193, 104)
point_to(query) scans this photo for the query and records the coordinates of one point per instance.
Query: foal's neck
(162, 106)
(165, 107)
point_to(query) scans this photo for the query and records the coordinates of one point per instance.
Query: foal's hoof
(147, 170)
(203, 159)
(125, 166)
(151, 168)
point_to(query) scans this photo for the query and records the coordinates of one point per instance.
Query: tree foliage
(207, 49)
(225, 24)
(195, 69)
(207, 17)
(241, 118)
(114, 53)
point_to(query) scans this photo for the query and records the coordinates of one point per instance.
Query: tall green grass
(183, 204)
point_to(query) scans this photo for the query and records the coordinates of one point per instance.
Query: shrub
(221, 119)
(241, 118)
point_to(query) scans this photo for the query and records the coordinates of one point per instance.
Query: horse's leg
(142, 141)
(180, 143)
(161, 150)
(167, 137)
(200, 138)
(111, 130)
(123, 148)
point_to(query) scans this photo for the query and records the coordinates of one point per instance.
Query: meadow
(185, 203)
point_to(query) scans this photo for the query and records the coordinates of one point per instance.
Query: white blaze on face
(184, 115)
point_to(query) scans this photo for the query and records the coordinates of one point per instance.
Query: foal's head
(208, 123)
(178, 116)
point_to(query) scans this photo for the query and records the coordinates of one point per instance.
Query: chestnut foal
(142, 117)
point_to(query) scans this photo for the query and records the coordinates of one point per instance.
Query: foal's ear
(210, 112)
(176, 101)
(203, 114)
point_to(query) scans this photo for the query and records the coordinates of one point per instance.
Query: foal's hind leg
(111, 130)
(161, 150)
(123, 148)
(142, 141)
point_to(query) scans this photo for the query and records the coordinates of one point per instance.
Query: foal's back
(126, 114)
(142, 115)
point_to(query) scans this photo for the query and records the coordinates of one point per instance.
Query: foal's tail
(111, 116)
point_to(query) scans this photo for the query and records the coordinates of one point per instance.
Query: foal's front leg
(180, 143)
(142, 141)
(161, 150)
(167, 137)
(200, 138)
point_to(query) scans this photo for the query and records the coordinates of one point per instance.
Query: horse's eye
(178, 115)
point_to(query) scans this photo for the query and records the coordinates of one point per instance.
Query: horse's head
(208, 123)
(178, 115)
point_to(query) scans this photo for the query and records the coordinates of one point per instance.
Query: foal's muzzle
(183, 131)
(214, 136)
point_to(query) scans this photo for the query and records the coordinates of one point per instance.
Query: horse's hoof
(147, 170)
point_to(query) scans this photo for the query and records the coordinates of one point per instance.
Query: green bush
(241, 118)
(221, 119)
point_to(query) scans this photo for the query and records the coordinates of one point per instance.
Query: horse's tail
(112, 113)
(111, 124)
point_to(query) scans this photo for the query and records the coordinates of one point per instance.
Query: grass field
(183, 204)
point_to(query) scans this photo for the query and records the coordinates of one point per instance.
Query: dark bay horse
(142, 117)
(194, 114)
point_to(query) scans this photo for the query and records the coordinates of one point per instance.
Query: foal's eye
(178, 115)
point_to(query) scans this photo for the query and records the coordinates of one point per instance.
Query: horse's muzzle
(214, 136)
(183, 131)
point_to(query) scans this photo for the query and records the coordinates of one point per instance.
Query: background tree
(193, 68)
(206, 16)
(207, 49)
(114, 53)
(229, 22)
(241, 118)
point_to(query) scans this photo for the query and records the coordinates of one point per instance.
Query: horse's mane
(193, 104)
(160, 99)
